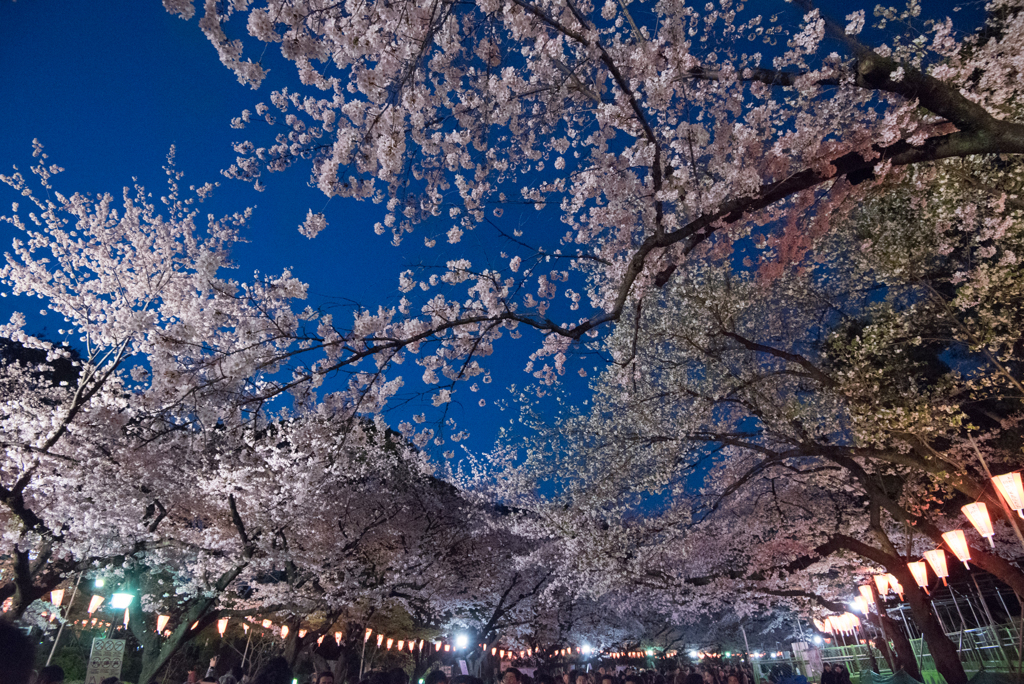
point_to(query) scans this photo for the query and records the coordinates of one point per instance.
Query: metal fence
(996, 649)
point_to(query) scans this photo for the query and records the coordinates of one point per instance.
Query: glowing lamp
(222, 626)
(937, 559)
(195, 625)
(1009, 486)
(366, 637)
(320, 640)
(957, 543)
(894, 584)
(529, 651)
(121, 600)
(56, 596)
(866, 595)
(437, 645)
(94, 604)
(461, 641)
(161, 622)
(447, 647)
(284, 631)
(401, 644)
(245, 628)
(302, 633)
(380, 640)
(390, 643)
(337, 638)
(421, 644)
(125, 617)
(494, 651)
(882, 582)
(522, 654)
(167, 633)
(412, 645)
(818, 625)
(919, 569)
(860, 605)
(266, 624)
(977, 513)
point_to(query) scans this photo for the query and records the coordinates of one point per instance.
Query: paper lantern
(882, 582)
(390, 642)
(366, 637)
(161, 622)
(529, 652)
(284, 631)
(957, 543)
(865, 593)
(894, 584)
(860, 605)
(977, 513)
(401, 644)
(494, 651)
(167, 633)
(320, 640)
(195, 625)
(222, 626)
(522, 654)
(245, 628)
(339, 635)
(437, 645)
(125, 617)
(412, 645)
(818, 624)
(937, 559)
(94, 604)
(501, 653)
(447, 647)
(303, 633)
(380, 640)
(1009, 485)
(56, 596)
(919, 569)
(421, 644)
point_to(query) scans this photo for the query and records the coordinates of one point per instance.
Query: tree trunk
(887, 653)
(904, 658)
(292, 645)
(943, 651)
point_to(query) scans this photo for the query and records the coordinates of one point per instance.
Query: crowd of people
(18, 664)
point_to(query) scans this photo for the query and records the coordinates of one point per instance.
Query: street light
(121, 600)
(461, 641)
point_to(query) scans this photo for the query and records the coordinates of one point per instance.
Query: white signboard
(105, 660)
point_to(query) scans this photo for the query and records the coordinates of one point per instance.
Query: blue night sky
(108, 86)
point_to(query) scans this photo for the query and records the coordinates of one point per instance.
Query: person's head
(19, 655)
(607, 679)
(581, 678)
(324, 678)
(733, 678)
(512, 676)
(228, 679)
(51, 674)
(274, 671)
(435, 677)
(398, 676)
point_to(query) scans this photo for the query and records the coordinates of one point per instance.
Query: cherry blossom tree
(659, 139)
(164, 454)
